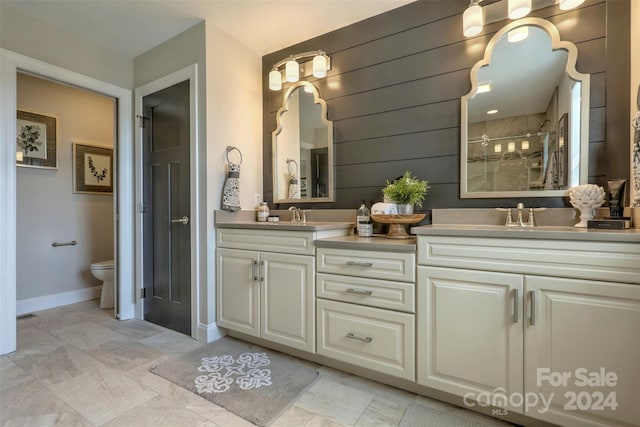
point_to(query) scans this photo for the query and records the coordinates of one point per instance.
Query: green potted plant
(406, 191)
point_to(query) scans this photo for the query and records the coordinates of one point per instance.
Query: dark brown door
(166, 218)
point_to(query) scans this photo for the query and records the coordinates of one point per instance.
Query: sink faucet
(520, 222)
(295, 214)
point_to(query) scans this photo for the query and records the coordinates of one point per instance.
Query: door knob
(184, 220)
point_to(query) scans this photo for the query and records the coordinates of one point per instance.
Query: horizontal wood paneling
(394, 90)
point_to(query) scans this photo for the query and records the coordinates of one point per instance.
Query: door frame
(10, 64)
(188, 73)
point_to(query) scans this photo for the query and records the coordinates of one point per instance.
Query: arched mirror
(525, 122)
(303, 148)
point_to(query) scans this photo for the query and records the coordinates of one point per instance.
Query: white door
(583, 329)
(470, 333)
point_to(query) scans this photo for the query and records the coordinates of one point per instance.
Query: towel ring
(295, 171)
(231, 148)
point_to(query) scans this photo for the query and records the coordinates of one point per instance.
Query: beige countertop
(543, 232)
(376, 243)
(287, 225)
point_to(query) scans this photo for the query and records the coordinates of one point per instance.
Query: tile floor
(77, 366)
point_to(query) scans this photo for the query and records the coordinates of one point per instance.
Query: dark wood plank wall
(394, 90)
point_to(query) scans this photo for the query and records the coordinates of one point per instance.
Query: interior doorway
(11, 64)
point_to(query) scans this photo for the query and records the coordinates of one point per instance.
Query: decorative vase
(405, 209)
(586, 198)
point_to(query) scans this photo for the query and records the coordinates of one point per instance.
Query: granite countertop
(287, 225)
(542, 232)
(376, 243)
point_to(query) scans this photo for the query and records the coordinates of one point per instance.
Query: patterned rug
(253, 382)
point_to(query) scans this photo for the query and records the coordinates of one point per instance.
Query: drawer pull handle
(360, 264)
(358, 291)
(532, 319)
(353, 336)
(254, 270)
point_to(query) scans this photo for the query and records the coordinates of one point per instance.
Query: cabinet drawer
(373, 338)
(372, 292)
(608, 261)
(290, 242)
(375, 264)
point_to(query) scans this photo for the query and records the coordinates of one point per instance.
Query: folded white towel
(384, 209)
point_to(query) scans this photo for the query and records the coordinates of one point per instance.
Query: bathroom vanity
(485, 317)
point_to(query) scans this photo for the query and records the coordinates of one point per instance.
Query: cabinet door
(470, 333)
(238, 293)
(583, 329)
(288, 309)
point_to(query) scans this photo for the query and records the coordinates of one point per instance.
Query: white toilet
(103, 270)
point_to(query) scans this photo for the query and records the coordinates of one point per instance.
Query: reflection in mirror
(303, 148)
(524, 125)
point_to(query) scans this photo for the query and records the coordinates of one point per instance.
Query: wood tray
(397, 224)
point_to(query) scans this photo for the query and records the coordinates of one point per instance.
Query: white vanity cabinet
(366, 308)
(266, 284)
(502, 320)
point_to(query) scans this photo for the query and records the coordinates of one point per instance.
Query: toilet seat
(102, 265)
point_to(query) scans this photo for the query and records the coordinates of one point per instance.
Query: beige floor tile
(11, 374)
(59, 365)
(102, 394)
(293, 417)
(34, 341)
(133, 328)
(220, 416)
(383, 412)
(30, 404)
(172, 342)
(124, 356)
(88, 335)
(160, 412)
(335, 401)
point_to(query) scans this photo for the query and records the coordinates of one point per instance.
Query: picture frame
(36, 140)
(92, 168)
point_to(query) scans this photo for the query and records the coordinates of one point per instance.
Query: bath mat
(253, 382)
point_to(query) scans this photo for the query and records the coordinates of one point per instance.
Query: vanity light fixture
(511, 147)
(492, 111)
(519, 8)
(570, 4)
(19, 156)
(518, 34)
(497, 148)
(319, 66)
(524, 145)
(472, 19)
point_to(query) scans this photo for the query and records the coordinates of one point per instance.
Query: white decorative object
(247, 371)
(586, 198)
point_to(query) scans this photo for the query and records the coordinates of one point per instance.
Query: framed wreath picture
(36, 144)
(92, 169)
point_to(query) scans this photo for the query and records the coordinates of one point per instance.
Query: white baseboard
(209, 333)
(30, 305)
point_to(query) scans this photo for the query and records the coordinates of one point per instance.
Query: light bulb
(511, 147)
(472, 20)
(275, 80)
(570, 4)
(519, 8)
(524, 145)
(319, 66)
(292, 71)
(19, 156)
(497, 148)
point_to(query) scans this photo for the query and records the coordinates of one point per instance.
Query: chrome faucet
(295, 214)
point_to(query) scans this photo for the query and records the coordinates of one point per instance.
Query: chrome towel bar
(71, 243)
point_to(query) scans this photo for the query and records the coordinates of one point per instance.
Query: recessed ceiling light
(492, 111)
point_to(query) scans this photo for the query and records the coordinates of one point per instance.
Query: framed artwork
(36, 142)
(92, 169)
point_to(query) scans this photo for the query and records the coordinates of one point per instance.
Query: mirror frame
(572, 57)
(274, 141)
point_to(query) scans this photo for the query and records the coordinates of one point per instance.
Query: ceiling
(132, 27)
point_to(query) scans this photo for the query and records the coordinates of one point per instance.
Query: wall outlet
(257, 199)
